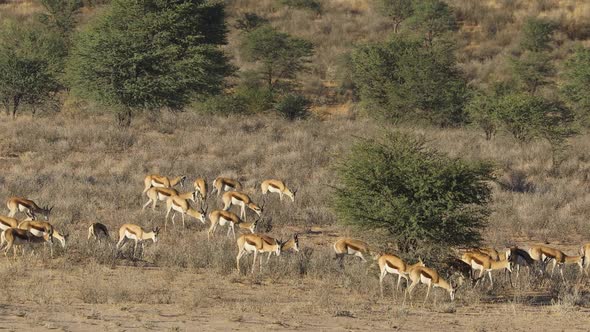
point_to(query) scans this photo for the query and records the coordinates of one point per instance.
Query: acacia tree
(528, 117)
(415, 194)
(150, 54)
(397, 10)
(537, 34)
(60, 15)
(433, 18)
(533, 71)
(30, 62)
(403, 78)
(577, 81)
(280, 55)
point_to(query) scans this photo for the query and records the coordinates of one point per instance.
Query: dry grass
(489, 33)
(93, 171)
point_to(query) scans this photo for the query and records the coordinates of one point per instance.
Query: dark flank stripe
(390, 264)
(353, 247)
(130, 231)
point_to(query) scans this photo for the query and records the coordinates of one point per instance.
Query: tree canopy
(151, 54)
(280, 55)
(416, 194)
(30, 63)
(404, 78)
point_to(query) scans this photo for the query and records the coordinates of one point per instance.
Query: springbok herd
(157, 188)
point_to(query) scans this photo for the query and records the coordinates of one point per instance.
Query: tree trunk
(124, 118)
(396, 26)
(16, 101)
(6, 102)
(269, 78)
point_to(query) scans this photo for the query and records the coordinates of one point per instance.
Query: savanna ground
(92, 170)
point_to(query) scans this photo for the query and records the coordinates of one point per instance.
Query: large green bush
(483, 111)
(151, 54)
(576, 85)
(527, 117)
(404, 79)
(279, 55)
(397, 10)
(293, 107)
(416, 194)
(31, 61)
(537, 34)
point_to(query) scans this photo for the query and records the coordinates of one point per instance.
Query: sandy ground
(98, 298)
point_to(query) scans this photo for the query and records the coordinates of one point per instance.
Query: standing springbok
(30, 208)
(242, 200)
(201, 188)
(156, 194)
(348, 246)
(155, 180)
(277, 186)
(221, 184)
(257, 243)
(429, 277)
(137, 234)
(98, 232)
(13, 237)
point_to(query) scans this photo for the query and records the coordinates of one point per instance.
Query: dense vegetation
(411, 63)
(418, 195)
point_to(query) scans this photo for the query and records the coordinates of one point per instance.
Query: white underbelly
(249, 248)
(274, 189)
(177, 208)
(157, 184)
(22, 208)
(227, 188)
(425, 280)
(237, 202)
(352, 251)
(36, 232)
(223, 222)
(130, 235)
(544, 257)
(4, 226)
(476, 266)
(162, 197)
(391, 270)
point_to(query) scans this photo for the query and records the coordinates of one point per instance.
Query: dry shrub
(516, 181)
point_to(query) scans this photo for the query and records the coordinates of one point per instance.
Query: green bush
(532, 71)
(433, 18)
(222, 104)
(527, 117)
(30, 64)
(417, 195)
(483, 110)
(577, 82)
(537, 34)
(147, 55)
(256, 98)
(396, 10)
(279, 55)
(293, 107)
(405, 79)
